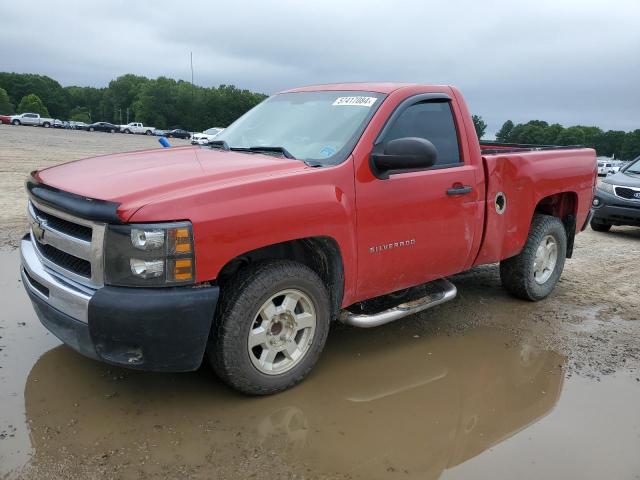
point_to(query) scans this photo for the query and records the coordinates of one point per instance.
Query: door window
(432, 121)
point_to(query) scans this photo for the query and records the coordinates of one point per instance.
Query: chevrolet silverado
(349, 202)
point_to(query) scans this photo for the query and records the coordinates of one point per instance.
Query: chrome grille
(64, 226)
(628, 193)
(68, 245)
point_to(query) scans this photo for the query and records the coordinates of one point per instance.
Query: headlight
(149, 255)
(606, 187)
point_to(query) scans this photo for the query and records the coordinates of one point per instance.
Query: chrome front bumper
(60, 293)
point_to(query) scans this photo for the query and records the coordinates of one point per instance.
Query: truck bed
(531, 179)
(488, 147)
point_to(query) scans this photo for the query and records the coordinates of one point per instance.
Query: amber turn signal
(180, 240)
(182, 270)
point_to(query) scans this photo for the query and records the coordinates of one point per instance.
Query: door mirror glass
(402, 155)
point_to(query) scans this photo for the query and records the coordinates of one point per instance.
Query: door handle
(460, 190)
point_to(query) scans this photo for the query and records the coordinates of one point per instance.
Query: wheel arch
(322, 254)
(562, 205)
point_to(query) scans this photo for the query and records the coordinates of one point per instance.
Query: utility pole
(192, 94)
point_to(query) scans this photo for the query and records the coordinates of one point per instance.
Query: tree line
(161, 102)
(610, 143)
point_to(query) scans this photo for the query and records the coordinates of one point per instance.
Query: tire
(91, 129)
(238, 315)
(112, 130)
(529, 275)
(126, 130)
(600, 226)
(148, 132)
(46, 124)
(16, 122)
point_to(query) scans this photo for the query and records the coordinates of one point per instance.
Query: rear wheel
(91, 129)
(270, 327)
(534, 272)
(112, 130)
(599, 226)
(148, 132)
(46, 124)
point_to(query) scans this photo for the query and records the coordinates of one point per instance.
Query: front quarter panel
(231, 220)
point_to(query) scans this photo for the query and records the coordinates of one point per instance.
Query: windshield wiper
(219, 144)
(285, 153)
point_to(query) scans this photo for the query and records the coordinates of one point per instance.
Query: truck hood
(136, 179)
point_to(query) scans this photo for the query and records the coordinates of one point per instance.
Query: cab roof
(378, 87)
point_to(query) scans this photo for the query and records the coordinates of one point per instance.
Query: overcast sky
(566, 61)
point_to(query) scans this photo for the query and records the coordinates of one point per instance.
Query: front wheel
(535, 271)
(270, 327)
(112, 130)
(16, 122)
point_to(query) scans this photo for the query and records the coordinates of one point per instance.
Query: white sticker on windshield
(358, 101)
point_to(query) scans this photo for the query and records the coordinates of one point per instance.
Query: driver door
(419, 225)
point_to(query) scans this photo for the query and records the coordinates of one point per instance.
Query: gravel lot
(486, 386)
(24, 149)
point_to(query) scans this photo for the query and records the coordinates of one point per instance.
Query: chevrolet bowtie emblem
(38, 230)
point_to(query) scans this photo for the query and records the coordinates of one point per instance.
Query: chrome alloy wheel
(545, 261)
(282, 332)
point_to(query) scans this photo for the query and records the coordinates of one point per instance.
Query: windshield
(212, 131)
(318, 127)
(634, 167)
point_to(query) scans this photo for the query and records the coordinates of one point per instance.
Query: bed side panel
(525, 179)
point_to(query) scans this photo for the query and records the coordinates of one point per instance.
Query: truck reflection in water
(381, 401)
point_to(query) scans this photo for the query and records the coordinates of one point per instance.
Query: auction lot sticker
(357, 101)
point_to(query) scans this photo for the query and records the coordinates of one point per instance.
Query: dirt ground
(24, 149)
(485, 386)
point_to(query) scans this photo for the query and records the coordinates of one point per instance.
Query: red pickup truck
(348, 201)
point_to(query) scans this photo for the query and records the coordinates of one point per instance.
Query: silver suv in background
(617, 199)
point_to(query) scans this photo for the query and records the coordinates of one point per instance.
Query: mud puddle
(407, 400)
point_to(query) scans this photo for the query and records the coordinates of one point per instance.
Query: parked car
(60, 123)
(204, 137)
(136, 127)
(606, 168)
(178, 133)
(617, 199)
(5, 119)
(159, 133)
(78, 125)
(287, 224)
(31, 119)
(103, 127)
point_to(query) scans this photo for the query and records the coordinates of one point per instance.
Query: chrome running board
(445, 291)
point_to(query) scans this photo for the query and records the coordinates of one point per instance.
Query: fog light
(147, 268)
(147, 239)
(596, 202)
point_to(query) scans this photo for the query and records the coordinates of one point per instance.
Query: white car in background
(137, 127)
(204, 137)
(604, 168)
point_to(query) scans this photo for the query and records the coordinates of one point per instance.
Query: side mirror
(402, 154)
